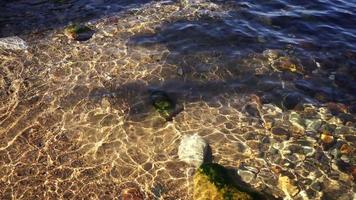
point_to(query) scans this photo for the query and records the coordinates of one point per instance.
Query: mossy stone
(212, 181)
(217, 174)
(163, 104)
(78, 32)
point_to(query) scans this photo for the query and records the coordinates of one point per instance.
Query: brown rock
(279, 131)
(276, 169)
(131, 194)
(326, 138)
(287, 186)
(336, 108)
(346, 149)
(353, 172)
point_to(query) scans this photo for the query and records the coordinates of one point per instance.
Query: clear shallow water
(77, 122)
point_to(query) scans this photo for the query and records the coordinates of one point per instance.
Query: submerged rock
(211, 181)
(346, 149)
(296, 120)
(246, 175)
(78, 32)
(271, 54)
(287, 186)
(13, 43)
(285, 63)
(290, 101)
(131, 194)
(327, 140)
(193, 150)
(280, 62)
(163, 104)
(313, 124)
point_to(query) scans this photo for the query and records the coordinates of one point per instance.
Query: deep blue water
(324, 28)
(320, 33)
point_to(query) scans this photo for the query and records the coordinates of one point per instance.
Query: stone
(252, 110)
(316, 186)
(285, 63)
(326, 138)
(290, 101)
(180, 71)
(279, 131)
(131, 194)
(193, 150)
(271, 54)
(345, 158)
(13, 43)
(327, 141)
(287, 186)
(313, 124)
(346, 149)
(211, 181)
(163, 104)
(246, 175)
(78, 32)
(296, 120)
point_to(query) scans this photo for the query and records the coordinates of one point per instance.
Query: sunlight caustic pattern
(76, 120)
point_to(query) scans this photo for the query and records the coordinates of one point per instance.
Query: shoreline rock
(13, 43)
(78, 32)
(211, 181)
(193, 150)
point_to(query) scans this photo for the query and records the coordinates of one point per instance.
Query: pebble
(316, 186)
(326, 138)
(287, 186)
(313, 124)
(78, 32)
(279, 131)
(345, 158)
(327, 141)
(346, 149)
(246, 175)
(193, 150)
(180, 71)
(13, 43)
(296, 120)
(290, 101)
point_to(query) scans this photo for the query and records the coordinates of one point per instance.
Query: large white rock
(14, 43)
(193, 149)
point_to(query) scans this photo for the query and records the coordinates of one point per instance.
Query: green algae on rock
(78, 32)
(163, 104)
(212, 181)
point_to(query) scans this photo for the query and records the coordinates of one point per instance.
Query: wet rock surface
(78, 32)
(212, 181)
(193, 150)
(14, 43)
